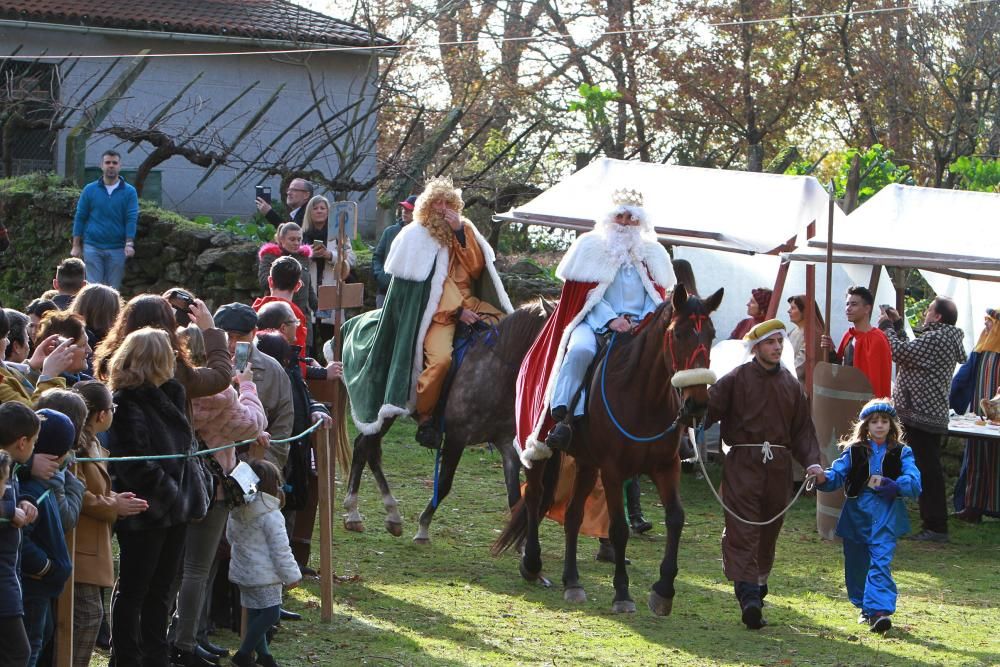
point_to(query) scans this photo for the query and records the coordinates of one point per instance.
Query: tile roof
(255, 19)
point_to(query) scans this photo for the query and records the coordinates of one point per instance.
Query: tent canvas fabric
(736, 211)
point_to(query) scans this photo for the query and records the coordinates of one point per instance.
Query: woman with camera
(219, 419)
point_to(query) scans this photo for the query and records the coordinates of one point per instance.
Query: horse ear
(712, 302)
(548, 307)
(679, 298)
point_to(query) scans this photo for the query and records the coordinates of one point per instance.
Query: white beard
(624, 243)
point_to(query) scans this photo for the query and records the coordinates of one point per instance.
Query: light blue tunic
(626, 295)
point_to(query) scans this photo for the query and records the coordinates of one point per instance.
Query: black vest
(857, 477)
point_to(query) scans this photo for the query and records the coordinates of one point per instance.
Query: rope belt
(765, 448)
(808, 484)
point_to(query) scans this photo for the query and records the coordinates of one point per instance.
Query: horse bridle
(700, 351)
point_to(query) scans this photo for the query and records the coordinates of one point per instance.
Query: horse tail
(516, 530)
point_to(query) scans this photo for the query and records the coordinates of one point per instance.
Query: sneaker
(929, 536)
(864, 618)
(880, 623)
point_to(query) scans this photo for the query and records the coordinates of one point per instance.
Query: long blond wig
(145, 357)
(438, 189)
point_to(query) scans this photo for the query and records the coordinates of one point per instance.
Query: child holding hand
(261, 562)
(876, 471)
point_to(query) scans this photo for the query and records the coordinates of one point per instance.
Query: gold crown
(626, 197)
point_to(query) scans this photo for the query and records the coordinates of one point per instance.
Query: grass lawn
(451, 603)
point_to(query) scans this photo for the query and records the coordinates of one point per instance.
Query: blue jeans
(104, 266)
(38, 625)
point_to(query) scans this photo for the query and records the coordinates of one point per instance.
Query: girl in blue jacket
(876, 471)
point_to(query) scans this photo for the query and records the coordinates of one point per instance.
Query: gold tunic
(465, 266)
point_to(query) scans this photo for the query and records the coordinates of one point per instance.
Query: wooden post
(63, 649)
(809, 319)
(321, 441)
(829, 258)
(779, 287)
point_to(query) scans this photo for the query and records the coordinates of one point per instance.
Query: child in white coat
(261, 563)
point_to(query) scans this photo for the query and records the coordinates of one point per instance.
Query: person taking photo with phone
(298, 193)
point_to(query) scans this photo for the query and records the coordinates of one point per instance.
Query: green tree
(976, 174)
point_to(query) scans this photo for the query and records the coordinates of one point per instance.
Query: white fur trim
(385, 412)
(535, 451)
(588, 261)
(437, 289)
(412, 254)
(489, 259)
(693, 377)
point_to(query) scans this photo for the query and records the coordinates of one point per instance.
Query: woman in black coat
(151, 419)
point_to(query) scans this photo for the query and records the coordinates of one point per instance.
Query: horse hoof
(623, 607)
(575, 594)
(659, 605)
(525, 574)
(354, 526)
(395, 528)
(417, 539)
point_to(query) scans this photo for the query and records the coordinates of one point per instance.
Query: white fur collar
(589, 260)
(412, 254)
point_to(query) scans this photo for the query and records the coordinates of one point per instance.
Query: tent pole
(874, 280)
(809, 322)
(779, 287)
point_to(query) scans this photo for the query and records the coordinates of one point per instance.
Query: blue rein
(607, 406)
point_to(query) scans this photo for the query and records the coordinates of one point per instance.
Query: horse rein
(701, 351)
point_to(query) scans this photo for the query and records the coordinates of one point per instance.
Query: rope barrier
(201, 452)
(807, 485)
(158, 457)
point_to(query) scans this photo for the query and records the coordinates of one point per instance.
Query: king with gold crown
(614, 276)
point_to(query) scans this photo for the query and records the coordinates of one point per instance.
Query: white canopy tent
(943, 233)
(734, 211)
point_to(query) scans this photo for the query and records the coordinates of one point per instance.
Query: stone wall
(170, 251)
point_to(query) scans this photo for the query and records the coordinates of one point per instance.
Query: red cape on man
(872, 356)
(531, 405)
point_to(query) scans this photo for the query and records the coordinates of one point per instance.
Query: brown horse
(479, 408)
(627, 431)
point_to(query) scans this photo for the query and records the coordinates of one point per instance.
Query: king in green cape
(396, 358)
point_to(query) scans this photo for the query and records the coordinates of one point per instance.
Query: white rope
(765, 448)
(807, 484)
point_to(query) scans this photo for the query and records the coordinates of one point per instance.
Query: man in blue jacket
(104, 225)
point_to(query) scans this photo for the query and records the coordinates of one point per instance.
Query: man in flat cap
(765, 421)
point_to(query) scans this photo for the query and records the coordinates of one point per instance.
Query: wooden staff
(829, 257)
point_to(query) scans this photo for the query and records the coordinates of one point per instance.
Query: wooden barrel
(839, 393)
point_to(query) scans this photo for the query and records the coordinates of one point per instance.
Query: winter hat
(762, 296)
(57, 435)
(237, 317)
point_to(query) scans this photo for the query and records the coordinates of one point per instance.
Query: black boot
(428, 436)
(748, 595)
(634, 509)
(561, 434)
(606, 552)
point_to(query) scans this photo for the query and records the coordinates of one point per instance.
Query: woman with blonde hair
(151, 420)
(316, 233)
